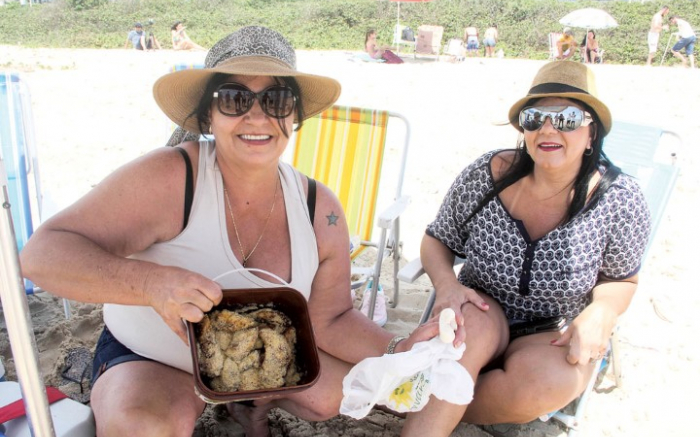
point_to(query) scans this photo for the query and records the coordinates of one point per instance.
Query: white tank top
(203, 247)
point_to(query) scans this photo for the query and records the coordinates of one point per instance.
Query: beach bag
(407, 34)
(391, 57)
(404, 381)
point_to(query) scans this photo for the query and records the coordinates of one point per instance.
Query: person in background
(686, 41)
(490, 39)
(376, 52)
(180, 39)
(136, 37)
(553, 236)
(158, 240)
(566, 46)
(471, 40)
(657, 25)
(590, 49)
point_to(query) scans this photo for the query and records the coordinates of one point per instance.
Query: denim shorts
(687, 43)
(109, 352)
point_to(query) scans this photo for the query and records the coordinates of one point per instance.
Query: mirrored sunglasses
(563, 118)
(234, 100)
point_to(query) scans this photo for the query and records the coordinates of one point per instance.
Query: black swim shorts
(109, 352)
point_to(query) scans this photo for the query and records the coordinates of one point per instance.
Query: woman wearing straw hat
(553, 236)
(158, 240)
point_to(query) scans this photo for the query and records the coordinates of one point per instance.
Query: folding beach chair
(20, 193)
(343, 148)
(429, 41)
(21, 164)
(636, 150)
(398, 40)
(455, 49)
(19, 158)
(552, 38)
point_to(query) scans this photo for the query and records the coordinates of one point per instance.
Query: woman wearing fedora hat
(159, 239)
(553, 237)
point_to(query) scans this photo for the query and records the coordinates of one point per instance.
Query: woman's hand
(456, 296)
(177, 294)
(588, 335)
(424, 332)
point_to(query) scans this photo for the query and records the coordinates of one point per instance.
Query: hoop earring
(589, 150)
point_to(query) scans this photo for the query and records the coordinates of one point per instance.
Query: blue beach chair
(19, 158)
(636, 150)
(20, 188)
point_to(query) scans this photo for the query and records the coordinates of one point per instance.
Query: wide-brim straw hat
(250, 51)
(569, 80)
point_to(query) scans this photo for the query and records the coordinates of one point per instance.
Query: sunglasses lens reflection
(566, 119)
(235, 100)
(278, 101)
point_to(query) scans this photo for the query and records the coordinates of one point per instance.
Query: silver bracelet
(392, 344)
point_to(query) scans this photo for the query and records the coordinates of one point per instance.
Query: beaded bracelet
(392, 344)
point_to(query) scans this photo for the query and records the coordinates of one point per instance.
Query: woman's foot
(253, 418)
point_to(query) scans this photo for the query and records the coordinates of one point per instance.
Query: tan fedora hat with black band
(250, 51)
(566, 79)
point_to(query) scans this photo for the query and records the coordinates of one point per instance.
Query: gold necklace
(245, 257)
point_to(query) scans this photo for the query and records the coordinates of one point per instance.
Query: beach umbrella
(589, 18)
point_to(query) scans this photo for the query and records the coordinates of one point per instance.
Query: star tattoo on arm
(332, 219)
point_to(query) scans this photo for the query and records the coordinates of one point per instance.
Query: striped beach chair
(343, 147)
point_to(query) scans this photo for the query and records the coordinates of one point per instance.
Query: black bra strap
(311, 199)
(189, 186)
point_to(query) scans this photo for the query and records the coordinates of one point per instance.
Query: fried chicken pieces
(247, 349)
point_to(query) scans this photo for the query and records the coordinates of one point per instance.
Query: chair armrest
(414, 270)
(387, 217)
(411, 271)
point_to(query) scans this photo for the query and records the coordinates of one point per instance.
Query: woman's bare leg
(487, 338)
(145, 398)
(253, 419)
(536, 379)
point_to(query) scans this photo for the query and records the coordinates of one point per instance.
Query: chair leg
(66, 308)
(377, 273)
(615, 358)
(429, 304)
(396, 257)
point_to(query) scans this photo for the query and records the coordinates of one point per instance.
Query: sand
(93, 112)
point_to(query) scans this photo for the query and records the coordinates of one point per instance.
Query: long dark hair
(369, 33)
(201, 112)
(522, 165)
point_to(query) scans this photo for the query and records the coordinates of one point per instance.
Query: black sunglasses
(563, 118)
(234, 100)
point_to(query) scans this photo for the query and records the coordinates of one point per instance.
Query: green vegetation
(331, 24)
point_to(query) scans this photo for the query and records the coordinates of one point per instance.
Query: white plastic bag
(405, 381)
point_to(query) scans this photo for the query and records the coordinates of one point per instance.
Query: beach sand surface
(93, 112)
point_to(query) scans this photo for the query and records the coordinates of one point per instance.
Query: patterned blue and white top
(552, 276)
